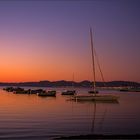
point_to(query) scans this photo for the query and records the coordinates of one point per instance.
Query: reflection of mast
(94, 118)
(102, 121)
(93, 121)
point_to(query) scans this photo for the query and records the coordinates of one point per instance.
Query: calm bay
(33, 117)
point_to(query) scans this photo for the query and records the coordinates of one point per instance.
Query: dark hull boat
(93, 92)
(19, 90)
(68, 92)
(51, 93)
(9, 89)
(130, 89)
(29, 91)
(35, 91)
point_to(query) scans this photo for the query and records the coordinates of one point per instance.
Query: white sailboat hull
(95, 98)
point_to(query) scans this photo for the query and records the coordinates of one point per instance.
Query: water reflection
(33, 116)
(97, 116)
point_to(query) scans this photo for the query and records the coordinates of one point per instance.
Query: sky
(49, 40)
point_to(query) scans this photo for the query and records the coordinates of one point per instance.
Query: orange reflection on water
(31, 105)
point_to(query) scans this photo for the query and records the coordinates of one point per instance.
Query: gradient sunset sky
(49, 40)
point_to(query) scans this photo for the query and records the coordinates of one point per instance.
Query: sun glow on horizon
(50, 41)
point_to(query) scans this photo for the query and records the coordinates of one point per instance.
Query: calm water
(33, 117)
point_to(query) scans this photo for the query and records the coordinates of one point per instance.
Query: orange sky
(51, 42)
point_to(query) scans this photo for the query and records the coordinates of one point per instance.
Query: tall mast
(73, 81)
(93, 60)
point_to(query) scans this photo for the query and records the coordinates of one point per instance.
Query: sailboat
(93, 91)
(70, 92)
(95, 96)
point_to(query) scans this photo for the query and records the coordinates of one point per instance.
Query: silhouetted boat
(93, 92)
(9, 89)
(68, 92)
(51, 93)
(16, 90)
(35, 91)
(132, 89)
(19, 90)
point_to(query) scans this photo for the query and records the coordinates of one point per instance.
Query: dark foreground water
(33, 117)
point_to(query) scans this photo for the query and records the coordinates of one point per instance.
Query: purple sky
(54, 35)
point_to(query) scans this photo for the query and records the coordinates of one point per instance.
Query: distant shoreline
(63, 83)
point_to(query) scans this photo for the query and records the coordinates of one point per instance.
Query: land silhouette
(63, 83)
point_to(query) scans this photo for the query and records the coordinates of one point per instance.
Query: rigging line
(97, 60)
(102, 121)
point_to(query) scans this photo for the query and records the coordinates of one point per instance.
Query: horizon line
(72, 81)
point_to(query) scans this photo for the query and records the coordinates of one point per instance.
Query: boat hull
(100, 98)
(93, 92)
(48, 93)
(68, 92)
(130, 89)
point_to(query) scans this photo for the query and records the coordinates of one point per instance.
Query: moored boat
(35, 91)
(51, 93)
(9, 89)
(133, 89)
(94, 96)
(68, 92)
(19, 90)
(93, 92)
(72, 91)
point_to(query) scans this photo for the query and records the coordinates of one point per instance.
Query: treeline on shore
(85, 83)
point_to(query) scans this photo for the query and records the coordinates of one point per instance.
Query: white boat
(94, 96)
(97, 98)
